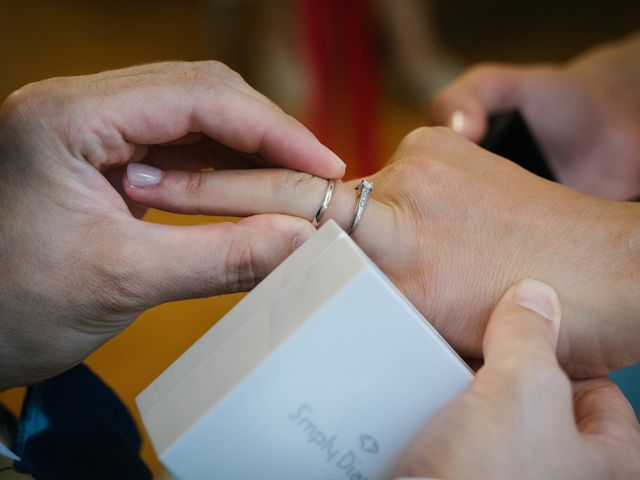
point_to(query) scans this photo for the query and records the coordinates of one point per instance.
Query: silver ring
(364, 189)
(325, 203)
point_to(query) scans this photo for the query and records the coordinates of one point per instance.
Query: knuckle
(423, 138)
(290, 184)
(166, 67)
(31, 110)
(198, 80)
(302, 182)
(416, 138)
(412, 164)
(222, 69)
(22, 103)
(242, 266)
(194, 185)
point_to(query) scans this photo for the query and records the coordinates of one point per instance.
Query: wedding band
(325, 203)
(363, 190)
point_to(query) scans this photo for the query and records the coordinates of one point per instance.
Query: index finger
(601, 408)
(113, 115)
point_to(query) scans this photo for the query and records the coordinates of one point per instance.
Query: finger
(212, 68)
(251, 192)
(160, 108)
(520, 365)
(602, 409)
(173, 263)
(205, 154)
(523, 328)
(230, 192)
(465, 104)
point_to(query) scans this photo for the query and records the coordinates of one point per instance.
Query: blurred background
(357, 72)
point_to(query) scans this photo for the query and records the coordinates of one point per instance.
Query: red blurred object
(338, 41)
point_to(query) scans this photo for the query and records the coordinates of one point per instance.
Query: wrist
(625, 281)
(602, 299)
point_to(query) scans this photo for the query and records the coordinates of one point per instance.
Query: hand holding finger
(64, 141)
(252, 192)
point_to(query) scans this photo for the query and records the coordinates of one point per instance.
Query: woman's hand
(453, 226)
(520, 417)
(76, 266)
(586, 114)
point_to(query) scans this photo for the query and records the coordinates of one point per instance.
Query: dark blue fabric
(74, 426)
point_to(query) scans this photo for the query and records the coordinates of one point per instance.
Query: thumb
(177, 263)
(465, 104)
(523, 328)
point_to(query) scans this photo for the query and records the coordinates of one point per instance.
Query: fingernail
(538, 297)
(141, 175)
(457, 121)
(339, 161)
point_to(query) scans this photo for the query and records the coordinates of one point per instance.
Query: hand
(77, 268)
(520, 418)
(453, 226)
(586, 114)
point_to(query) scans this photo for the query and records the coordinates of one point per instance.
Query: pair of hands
(454, 226)
(522, 417)
(451, 224)
(77, 266)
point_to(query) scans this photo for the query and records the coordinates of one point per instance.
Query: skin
(585, 114)
(522, 417)
(453, 226)
(78, 267)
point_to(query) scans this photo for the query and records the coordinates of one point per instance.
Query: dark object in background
(509, 137)
(74, 427)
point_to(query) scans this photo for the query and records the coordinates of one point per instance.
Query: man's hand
(453, 226)
(586, 114)
(77, 268)
(520, 418)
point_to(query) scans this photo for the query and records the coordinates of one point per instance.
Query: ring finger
(250, 192)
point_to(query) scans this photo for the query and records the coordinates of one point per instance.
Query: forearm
(612, 66)
(625, 50)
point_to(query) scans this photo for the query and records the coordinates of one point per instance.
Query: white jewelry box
(324, 371)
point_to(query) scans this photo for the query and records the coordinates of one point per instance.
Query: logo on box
(344, 459)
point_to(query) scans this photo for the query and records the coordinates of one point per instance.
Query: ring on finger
(363, 190)
(328, 195)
